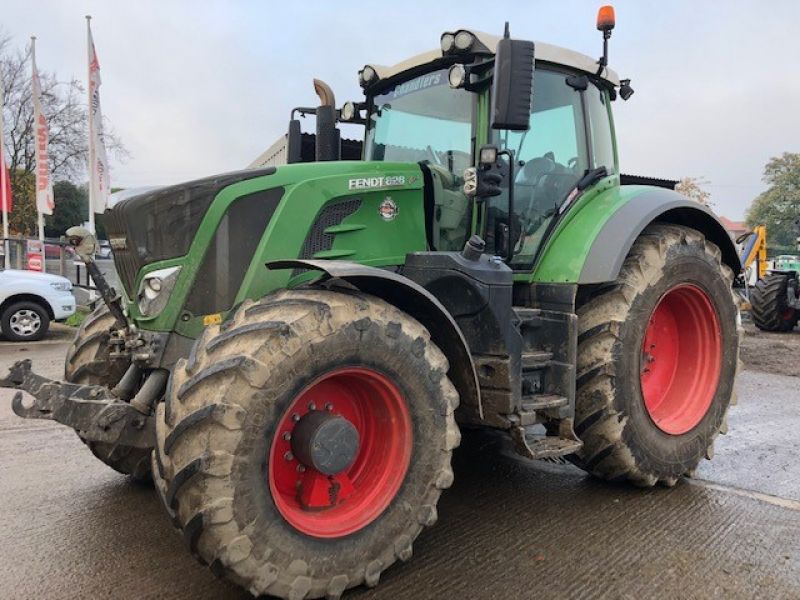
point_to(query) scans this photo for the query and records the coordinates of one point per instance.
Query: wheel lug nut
(301, 468)
(312, 406)
(287, 436)
(295, 417)
(288, 456)
(329, 407)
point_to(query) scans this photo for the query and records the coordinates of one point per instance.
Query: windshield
(422, 119)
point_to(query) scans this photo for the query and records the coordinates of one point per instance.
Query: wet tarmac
(72, 528)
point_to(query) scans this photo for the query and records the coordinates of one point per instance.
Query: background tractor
(299, 347)
(775, 298)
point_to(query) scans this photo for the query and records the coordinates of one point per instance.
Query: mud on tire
(769, 306)
(88, 362)
(223, 406)
(621, 440)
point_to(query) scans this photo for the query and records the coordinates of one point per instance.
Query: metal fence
(57, 254)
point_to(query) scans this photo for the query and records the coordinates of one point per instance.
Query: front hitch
(91, 410)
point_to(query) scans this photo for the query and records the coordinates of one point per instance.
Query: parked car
(103, 249)
(54, 251)
(30, 300)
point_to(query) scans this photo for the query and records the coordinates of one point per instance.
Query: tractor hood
(161, 224)
(215, 235)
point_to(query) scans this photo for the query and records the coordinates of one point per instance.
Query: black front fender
(414, 300)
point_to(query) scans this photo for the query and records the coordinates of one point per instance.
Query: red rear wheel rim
(681, 359)
(330, 506)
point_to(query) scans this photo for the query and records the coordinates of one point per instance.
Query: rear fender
(591, 245)
(415, 300)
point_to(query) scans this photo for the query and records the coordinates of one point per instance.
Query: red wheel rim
(681, 359)
(330, 506)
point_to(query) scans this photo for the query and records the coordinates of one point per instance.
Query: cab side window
(603, 151)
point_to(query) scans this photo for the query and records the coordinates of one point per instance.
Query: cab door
(569, 112)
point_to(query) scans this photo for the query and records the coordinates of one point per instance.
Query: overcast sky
(198, 87)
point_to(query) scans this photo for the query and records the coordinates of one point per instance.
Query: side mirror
(83, 241)
(294, 143)
(512, 88)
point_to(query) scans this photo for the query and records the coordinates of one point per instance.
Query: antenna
(506, 34)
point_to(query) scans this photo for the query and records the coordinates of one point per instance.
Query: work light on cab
(457, 76)
(348, 111)
(448, 42)
(464, 40)
(367, 76)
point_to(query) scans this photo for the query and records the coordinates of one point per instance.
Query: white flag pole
(91, 124)
(39, 214)
(3, 185)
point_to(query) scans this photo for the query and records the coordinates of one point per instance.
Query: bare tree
(64, 106)
(691, 187)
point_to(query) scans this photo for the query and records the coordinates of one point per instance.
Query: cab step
(535, 359)
(543, 402)
(528, 317)
(534, 407)
(537, 446)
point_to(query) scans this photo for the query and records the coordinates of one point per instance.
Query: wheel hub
(681, 358)
(25, 322)
(325, 442)
(340, 452)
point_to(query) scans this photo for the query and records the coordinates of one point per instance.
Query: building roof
(733, 225)
(544, 52)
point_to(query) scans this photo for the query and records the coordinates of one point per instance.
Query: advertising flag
(99, 176)
(44, 185)
(7, 204)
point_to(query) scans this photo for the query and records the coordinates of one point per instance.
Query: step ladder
(536, 405)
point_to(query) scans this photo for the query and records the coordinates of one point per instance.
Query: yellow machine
(754, 250)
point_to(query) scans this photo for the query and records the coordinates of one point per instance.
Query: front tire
(237, 478)
(769, 303)
(25, 322)
(88, 362)
(657, 357)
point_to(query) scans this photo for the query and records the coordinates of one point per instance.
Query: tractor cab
(439, 108)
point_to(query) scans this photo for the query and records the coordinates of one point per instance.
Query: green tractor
(297, 349)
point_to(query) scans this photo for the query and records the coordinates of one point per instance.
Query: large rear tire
(232, 459)
(769, 303)
(657, 357)
(88, 362)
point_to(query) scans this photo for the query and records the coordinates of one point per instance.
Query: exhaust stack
(328, 145)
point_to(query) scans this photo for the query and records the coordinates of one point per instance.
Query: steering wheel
(535, 169)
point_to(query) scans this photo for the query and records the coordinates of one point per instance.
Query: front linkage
(91, 410)
(98, 414)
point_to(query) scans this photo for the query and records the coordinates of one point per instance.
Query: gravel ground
(771, 352)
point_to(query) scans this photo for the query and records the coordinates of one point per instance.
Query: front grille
(124, 258)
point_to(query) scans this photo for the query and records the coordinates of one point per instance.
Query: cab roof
(544, 53)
